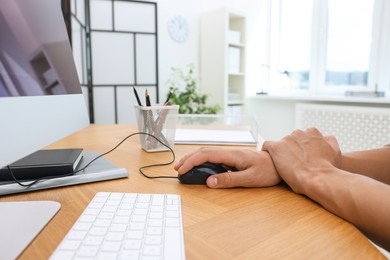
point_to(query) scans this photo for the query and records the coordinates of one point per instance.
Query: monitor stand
(21, 222)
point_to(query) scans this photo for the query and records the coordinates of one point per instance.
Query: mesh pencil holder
(159, 121)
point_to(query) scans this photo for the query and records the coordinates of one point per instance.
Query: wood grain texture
(239, 223)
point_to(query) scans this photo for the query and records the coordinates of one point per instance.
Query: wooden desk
(240, 223)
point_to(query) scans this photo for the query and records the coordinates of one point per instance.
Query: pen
(147, 98)
(137, 97)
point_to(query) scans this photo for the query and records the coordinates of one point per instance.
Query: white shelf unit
(222, 59)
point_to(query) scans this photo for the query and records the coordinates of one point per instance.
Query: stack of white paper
(206, 136)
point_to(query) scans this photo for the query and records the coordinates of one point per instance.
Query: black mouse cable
(99, 156)
(159, 164)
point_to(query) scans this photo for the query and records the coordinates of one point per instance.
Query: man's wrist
(318, 181)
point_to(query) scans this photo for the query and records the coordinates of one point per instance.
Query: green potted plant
(183, 92)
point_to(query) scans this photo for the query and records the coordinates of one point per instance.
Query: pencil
(147, 98)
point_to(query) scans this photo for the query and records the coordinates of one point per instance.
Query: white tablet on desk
(21, 222)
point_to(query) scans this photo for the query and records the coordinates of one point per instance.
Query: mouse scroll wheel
(208, 170)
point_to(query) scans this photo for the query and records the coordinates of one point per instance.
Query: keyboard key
(155, 223)
(154, 231)
(98, 231)
(102, 223)
(156, 215)
(121, 220)
(96, 205)
(172, 251)
(88, 218)
(106, 215)
(153, 240)
(140, 218)
(111, 246)
(93, 240)
(70, 245)
(106, 256)
(144, 197)
(88, 251)
(134, 234)
(129, 255)
(132, 244)
(152, 250)
(118, 227)
(63, 255)
(115, 236)
(82, 226)
(76, 235)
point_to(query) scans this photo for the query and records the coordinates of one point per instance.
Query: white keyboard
(126, 226)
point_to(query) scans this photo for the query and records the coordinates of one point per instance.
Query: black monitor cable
(141, 169)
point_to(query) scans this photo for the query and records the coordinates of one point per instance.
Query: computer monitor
(40, 94)
(40, 102)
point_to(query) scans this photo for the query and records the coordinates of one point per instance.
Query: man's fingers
(267, 145)
(190, 160)
(233, 179)
(224, 180)
(207, 154)
(332, 141)
(313, 131)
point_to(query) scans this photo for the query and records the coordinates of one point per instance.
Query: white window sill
(322, 98)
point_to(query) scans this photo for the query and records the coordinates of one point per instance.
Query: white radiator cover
(355, 127)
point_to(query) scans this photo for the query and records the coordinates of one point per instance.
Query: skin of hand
(249, 168)
(301, 152)
(312, 164)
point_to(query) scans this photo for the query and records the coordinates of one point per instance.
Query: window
(329, 46)
(348, 41)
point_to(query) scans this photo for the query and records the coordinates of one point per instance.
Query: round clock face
(178, 28)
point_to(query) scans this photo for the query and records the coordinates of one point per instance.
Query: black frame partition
(115, 46)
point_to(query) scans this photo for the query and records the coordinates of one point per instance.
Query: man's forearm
(358, 199)
(372, 163)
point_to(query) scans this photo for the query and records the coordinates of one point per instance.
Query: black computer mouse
(200, 173)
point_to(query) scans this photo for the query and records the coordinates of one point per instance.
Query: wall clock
(178, 28)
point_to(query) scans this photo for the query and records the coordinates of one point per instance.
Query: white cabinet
(222, 58)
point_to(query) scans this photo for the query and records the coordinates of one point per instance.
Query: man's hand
(248, 168)
(298, 156)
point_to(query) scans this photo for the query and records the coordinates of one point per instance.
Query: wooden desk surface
(239, 223)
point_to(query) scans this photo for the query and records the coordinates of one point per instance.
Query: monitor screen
(40, 94)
